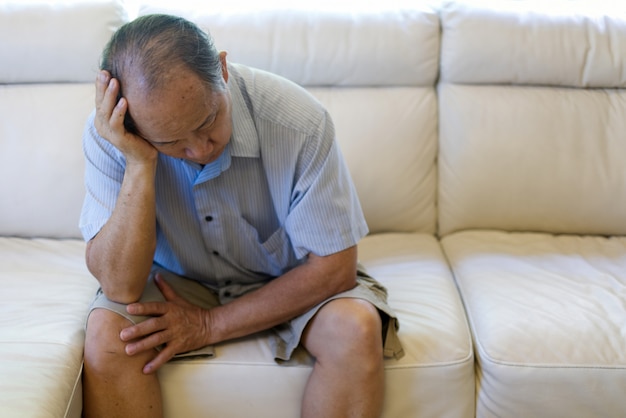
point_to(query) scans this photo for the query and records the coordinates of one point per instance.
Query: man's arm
(183, 327)
(120, 255)
(285, 297)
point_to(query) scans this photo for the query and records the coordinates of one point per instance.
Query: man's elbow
(122, 294)
(346, 280)
(343, 268)
(118, 286)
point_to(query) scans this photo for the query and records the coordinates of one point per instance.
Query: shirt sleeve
(104, 172)
(325, 215)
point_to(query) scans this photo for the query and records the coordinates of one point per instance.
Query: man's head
(174, 81)
(149, 44)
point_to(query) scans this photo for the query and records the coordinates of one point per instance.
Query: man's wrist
(209, 327)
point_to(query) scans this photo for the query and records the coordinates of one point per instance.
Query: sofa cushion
(46, 291)
(548, 318)
(55, 41)
(41, 159)
(562, 43)
(384, 108)
(532, 159)
(392, 164)
(525, 144)
(41, 162)
(438, 353)
(323, 44)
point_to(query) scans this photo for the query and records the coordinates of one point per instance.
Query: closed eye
(164, 144)
(207, 122)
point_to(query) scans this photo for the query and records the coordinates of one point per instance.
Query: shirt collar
(244, 140)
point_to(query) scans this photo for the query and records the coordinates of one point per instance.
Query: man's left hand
(176, 325)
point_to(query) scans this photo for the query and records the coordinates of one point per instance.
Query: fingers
(148, 343)
(147, 308)
(110, 109)
(117, 116)
(163, 357)
(141, 329)
(102, 82)
(167, 290)
(160, 340)
(174, 326)
(107, 89)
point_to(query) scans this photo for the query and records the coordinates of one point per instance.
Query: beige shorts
(285, 337)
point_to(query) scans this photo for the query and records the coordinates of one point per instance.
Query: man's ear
(224, 65)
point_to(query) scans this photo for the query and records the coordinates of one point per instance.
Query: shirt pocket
(271, 257)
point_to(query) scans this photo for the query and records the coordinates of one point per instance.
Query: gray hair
(148, 44)
(152, 42)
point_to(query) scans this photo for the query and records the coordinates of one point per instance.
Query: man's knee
(104, 350)
(349, 328)
(359, 320)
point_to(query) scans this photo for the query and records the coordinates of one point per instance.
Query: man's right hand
(109, 122)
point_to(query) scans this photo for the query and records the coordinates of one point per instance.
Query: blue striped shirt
(279, 191)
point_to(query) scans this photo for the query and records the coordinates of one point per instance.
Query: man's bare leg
(348, 376)
(113, 382)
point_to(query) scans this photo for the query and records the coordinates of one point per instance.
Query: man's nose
(199, 149)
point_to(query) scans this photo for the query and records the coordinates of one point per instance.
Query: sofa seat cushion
(548, 315)
(244, 380)
(46, 290)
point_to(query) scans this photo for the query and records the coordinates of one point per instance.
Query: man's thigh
(367, 291)
(190, 290)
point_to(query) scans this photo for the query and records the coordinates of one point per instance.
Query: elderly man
(218, 206)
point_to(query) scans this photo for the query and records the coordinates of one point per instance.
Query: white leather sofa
(487, 143)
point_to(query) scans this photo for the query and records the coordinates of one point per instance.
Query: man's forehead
(165, 115)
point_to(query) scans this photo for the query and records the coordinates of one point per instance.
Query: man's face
(185, 118)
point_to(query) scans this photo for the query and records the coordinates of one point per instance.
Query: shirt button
(227, 294)
(208, 218)
(216, 253)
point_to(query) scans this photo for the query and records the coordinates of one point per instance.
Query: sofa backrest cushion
(534, 42)
(532, 125)
(46, 42)
(374, 69)
(49, 55)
